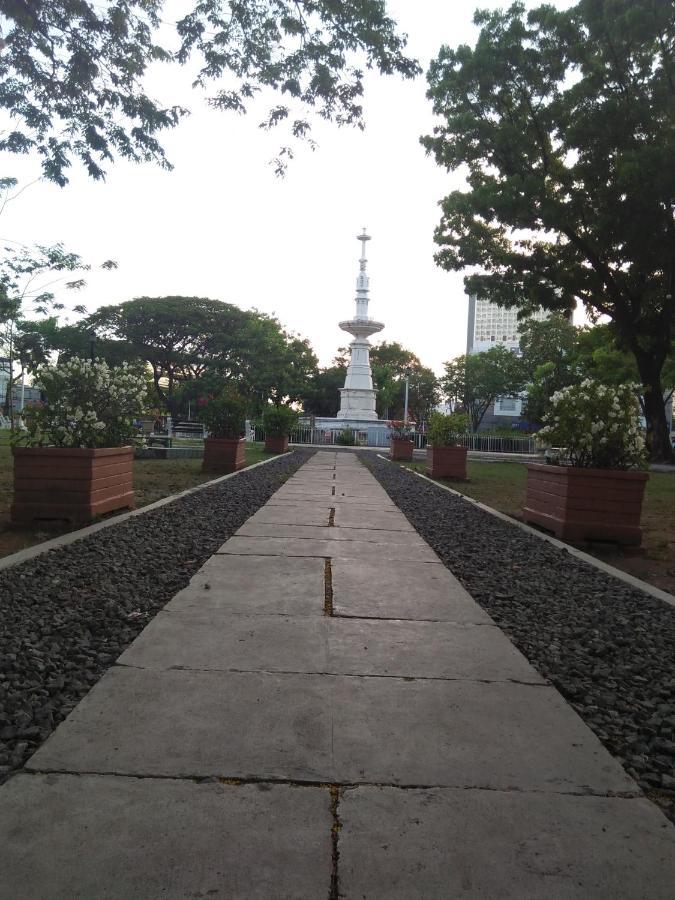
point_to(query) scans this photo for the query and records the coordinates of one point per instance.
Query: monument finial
(363, 237)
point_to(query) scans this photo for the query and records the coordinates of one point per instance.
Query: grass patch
(153, 480)
(501, 485)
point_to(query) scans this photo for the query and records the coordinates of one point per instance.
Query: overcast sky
(222, 225)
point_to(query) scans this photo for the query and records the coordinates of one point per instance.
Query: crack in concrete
(342, 786)
(407, 678)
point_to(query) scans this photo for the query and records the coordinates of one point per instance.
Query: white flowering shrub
(87, 404)
(597, 425)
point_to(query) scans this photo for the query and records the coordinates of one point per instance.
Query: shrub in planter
(445, 458)
(598, 494)
(346, 437)
(225, 419)
(278, 422)
(75, 458)
(401, 443)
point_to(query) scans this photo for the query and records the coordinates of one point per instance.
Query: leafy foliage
(346, 437)
(596, 425)
(225, 415)
(87, 404)
(564, 122)
(71, 71)
(279, 421)
(477, 380)
(445, 430)
(186, 339)
(28, 276)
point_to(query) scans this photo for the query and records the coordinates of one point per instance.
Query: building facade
(490, 325)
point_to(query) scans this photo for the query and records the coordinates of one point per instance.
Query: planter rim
(236, 440)
(71, 451)
(577, 471)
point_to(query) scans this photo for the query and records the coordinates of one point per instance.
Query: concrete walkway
(325, 712)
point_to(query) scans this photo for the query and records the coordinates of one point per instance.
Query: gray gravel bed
(66, 615)
(607, 647)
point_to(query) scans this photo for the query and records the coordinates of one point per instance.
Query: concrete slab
(286, 514)
(388, 519)
(197, 724)
(425, 650)
(331, 729)
(415, 845)
(467, 734)
(325, 532)
(66, 837)
(255, 585)
(357, 647)
(392, 589)
(250, 643)
(269, 546)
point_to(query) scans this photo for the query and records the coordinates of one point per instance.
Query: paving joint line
(242, 781)
(336, 827)
(327, 588)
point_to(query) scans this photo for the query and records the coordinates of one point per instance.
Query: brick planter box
(401, 449)
(276, 444)
(224, 455)
(72, 483)
(586, 504)
(446, 462)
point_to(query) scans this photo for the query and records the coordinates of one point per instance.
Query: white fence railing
(379, 437)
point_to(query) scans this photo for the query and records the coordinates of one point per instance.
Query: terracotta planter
(401, 448)
(586, 504)
(224, 455)
(446, 462)
(276, 444)
(71, 483)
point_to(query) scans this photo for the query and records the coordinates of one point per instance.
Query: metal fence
(379, 437)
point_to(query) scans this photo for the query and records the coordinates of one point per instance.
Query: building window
(508, 404)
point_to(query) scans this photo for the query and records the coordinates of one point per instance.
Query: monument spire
(357, 397)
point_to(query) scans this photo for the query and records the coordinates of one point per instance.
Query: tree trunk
(658, 435)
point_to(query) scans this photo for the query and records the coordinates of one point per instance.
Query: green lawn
(501, 485)
(153, 479)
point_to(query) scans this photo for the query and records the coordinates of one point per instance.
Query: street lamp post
(405, 407)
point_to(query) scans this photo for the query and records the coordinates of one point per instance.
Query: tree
(477, 380)
(28, 278)
(564, 122)
(549, 361)
(321, 394)
(71, 71)
(197, 339)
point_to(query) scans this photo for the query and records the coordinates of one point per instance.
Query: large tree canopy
(71, 71)
(194, 338)
(565, 124)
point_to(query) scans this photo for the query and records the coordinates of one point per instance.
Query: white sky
(222, 225)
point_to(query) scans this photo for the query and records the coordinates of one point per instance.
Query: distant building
(491, 325)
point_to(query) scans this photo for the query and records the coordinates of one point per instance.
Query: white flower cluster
(88, 404)
(597, 424)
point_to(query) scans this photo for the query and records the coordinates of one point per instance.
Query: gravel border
(68, 613)
(607, 647)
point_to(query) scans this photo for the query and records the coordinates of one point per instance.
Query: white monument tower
(357, 397)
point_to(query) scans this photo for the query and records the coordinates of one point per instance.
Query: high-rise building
(490, 325)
